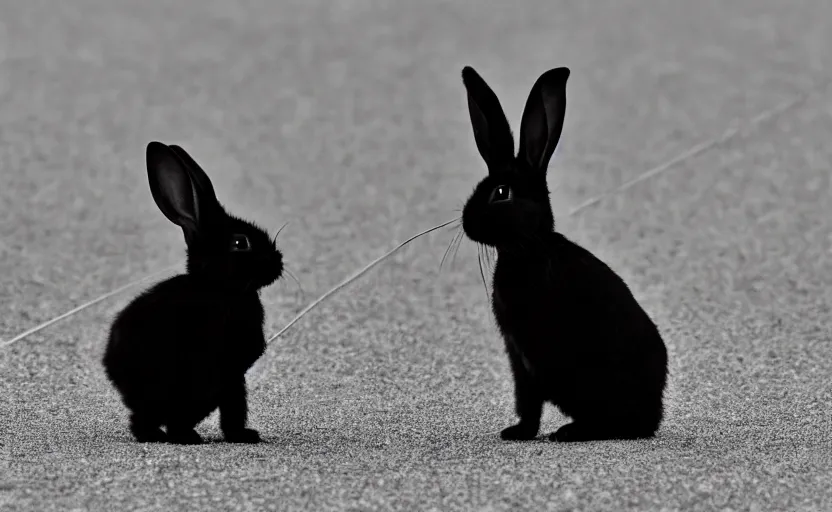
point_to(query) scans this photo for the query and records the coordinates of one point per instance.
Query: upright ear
(491, 129)
(172, 188)
(543, 118)
(201, 180)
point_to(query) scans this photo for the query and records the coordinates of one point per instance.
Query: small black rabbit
(182, 348)
(574, 333)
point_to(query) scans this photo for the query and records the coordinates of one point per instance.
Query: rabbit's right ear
(201, 180)
(543, 117)
(491, 129)
(172, 188)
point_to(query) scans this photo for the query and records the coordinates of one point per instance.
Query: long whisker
(297, 282)
(488, 261)
(453, 240)
(278, 232)
(352, 278)
(486, 251)
(456, 226)
(482, 274)
(458, 245)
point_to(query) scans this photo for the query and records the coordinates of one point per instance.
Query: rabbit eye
(240, 243)
(501, 193)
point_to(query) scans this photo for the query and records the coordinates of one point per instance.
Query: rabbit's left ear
(491, 130)
(177, 191)
(543, 117)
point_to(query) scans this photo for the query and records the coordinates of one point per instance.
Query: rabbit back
(571, 322)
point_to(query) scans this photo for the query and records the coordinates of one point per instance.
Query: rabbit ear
(172, 188)
(543, 116)
(201, 180)
(491, 129)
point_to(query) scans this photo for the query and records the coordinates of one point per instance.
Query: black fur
(182, 348)
(574, 333)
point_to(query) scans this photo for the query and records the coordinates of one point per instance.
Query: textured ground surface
(349, 119)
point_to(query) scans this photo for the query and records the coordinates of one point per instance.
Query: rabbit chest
(234, 324)
(524, 310)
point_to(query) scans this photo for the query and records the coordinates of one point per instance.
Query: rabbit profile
(181, 349)
(574, 333)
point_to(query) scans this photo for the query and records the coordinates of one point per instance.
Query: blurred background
(348, 119)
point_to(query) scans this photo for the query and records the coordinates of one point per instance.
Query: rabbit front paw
(185, 436)
(520, 432)
(246, 435)
(575, 433)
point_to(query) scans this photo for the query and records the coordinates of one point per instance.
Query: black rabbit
(182, 348)
(574, 333)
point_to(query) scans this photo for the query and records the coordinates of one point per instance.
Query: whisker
(485, 259)
(482, 274)
(488, 261)
(352, 278)
(444, 256)
(457, 223)
(459, 241)
(278, 232)
(297, 282)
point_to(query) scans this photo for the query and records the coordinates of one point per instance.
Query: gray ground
(349, 119)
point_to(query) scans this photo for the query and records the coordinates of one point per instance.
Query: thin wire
(85, 305)
(355, 276)
(697, 150)
(726, 137)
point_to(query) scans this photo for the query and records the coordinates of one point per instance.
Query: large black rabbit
(574, 333)
(182, 348)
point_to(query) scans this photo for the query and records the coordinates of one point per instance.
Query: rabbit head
(221, 248)
(509, 208)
